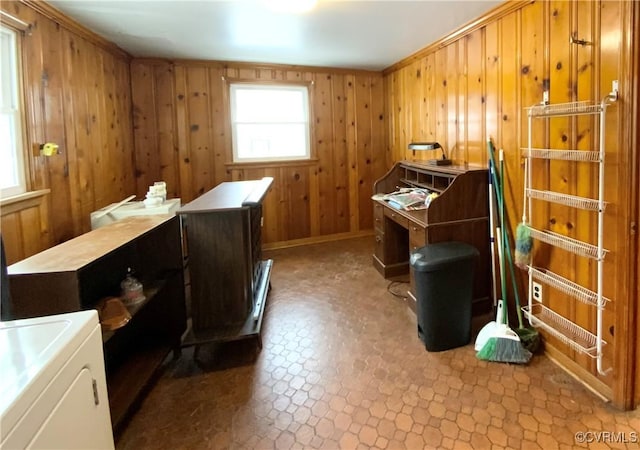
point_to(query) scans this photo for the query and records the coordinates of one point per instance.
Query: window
(269, 122)
(12, 180)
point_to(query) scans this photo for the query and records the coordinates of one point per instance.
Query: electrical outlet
(536, 291)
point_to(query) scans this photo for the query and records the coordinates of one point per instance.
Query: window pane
(270, 122)
(9, 167)
(7, 46)
(264, 141)
(269, 105)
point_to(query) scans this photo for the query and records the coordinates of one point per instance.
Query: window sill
(267, 164)
(22, 201)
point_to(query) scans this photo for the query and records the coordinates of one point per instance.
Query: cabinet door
(76, 422)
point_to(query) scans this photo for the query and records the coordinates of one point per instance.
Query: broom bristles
(504, 350)
(529, 338)
(523, 246)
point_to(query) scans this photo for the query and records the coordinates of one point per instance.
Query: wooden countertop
(84, 249)
(229, 195)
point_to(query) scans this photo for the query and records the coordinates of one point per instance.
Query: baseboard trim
(316, 239)
(579, 373)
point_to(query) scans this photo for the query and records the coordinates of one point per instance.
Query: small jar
(132, 291)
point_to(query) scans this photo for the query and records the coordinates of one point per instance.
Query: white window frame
(11, 87)
(304, 88)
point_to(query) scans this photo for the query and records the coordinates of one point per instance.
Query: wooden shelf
(76, 275)
(130, 379)
(149, 294)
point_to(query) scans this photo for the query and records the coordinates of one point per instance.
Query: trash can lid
(434, 256)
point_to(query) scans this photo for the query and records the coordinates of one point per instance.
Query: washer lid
(32, 351)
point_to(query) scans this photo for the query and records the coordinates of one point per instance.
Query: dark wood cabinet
(459, 213)
(229, 280)
(77, 274)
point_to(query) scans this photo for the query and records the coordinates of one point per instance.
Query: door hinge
(96, 399)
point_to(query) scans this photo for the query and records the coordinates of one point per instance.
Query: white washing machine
(53, 391)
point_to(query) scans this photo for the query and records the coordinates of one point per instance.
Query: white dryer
(53, 391)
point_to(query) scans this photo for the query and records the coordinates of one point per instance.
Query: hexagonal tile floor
(342, 368)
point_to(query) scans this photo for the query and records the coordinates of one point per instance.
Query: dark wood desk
(229, 279)
(459, 213)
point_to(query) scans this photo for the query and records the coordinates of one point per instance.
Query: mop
(489, 329)
(529, 336)
(504, 345)
(523, 234)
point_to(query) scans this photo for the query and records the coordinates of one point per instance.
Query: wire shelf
(568, 332)
(566, 155)
(567, 243)
(565, 199)
(568, 287)
(565, 109)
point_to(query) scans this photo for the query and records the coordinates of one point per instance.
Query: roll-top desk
(459, 213)
(229, 279)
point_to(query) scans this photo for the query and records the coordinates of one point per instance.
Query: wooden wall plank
(53, 124)
(221, 139)
(381, 155)
(441, 95)
(12, 236)
(99, 147)
(199, 122)
(30, 235)
(323, 129)
(458, 102)
(182, 132)
(561, 178)
(167, 148)
(82, 78)
(111, 143)
(430, 108)
(492, 91)
(340, 157)
(352, 151)
(475, 140)
(414, 90)
(365, 149)
(296, 186)
(123, 131)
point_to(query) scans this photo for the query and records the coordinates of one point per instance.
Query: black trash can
(443, 275)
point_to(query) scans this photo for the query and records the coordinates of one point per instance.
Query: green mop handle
(497, 181)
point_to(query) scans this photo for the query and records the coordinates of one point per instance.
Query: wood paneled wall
(25, 226)
(464, 90)
(77, 94)
(183, 136)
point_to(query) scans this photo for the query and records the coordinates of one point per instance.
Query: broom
(488, 330)
(504, 345)
(523, 234)
(529, 336)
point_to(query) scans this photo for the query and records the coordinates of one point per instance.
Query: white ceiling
(363, 34)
